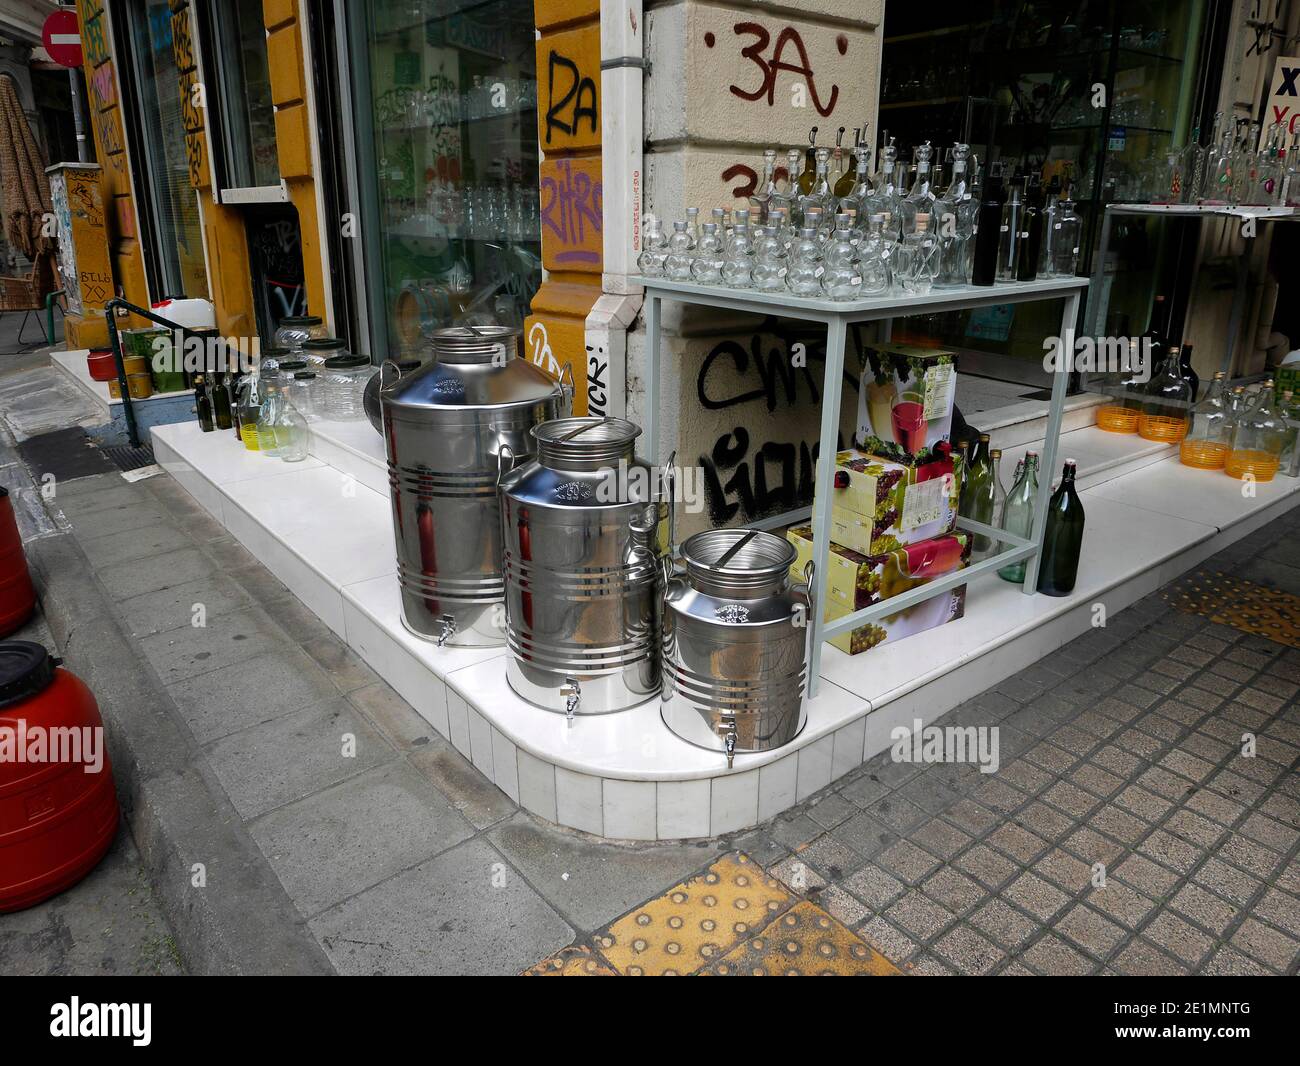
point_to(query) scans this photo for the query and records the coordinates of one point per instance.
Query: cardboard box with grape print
(905, 401)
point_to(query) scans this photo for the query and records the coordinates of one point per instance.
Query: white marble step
(325, 531)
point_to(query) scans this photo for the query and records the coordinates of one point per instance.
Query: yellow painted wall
(89, 330)
(568, 133)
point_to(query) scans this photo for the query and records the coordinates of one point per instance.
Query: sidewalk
(398, 857)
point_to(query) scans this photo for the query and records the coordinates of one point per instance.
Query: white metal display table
(1244, 213)
(837, 316)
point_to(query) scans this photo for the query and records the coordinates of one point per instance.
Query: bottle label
(926, 502)
(819, 272)
(855, 280)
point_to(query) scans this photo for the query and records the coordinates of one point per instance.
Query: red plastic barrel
(58, 807)
(17, 597)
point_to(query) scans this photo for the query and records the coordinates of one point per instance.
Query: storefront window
(246, 126)
(168, 199)
(448, 160)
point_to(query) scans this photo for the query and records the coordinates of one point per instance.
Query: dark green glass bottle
(1062, 538)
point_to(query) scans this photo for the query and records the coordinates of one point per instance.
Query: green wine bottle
(1018, 514)
(1059, 565)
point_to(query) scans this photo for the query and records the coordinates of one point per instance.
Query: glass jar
(1290, 412)
(296, 330)
(1166, 408)
(918, 258)
(1257, 440)
(1066, 229)
(269, 359)
(315, 351)
(1206, 444)
(301, 393)
(340, 386)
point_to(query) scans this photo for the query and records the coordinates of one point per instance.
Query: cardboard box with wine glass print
(854, 581)
(905, 402)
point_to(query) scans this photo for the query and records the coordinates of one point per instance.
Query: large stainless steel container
(735, 643)
(451, 429)
(581, 542)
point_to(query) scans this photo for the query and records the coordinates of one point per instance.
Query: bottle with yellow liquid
(268, 441)
(1206, 444)
(1167, 406)
(1257, 440)
(250, 409)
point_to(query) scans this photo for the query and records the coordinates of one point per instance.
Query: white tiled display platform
(323, 527)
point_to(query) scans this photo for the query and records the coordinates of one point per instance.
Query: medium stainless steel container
(451, 429)
(581, 552)
(735, 644)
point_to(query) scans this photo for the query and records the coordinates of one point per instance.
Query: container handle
(569, 391)
(667, 487)
(504, 451)
(396, 369)
(730, 553)
(810, 592)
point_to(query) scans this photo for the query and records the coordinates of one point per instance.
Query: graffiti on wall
(571, 98)
(571, 195)
(191, 113)
(101, 87)
(747, 474)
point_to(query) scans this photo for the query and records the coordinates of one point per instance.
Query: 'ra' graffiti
(578, 101)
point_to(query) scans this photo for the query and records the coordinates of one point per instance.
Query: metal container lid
(301, 320)
(324, 344)
(737, 559)
(468, 371)
(577, 443)
(475, 344)
(346, 362)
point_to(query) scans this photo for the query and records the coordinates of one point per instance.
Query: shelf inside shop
(1281, 214)
(458, 120)
(938, 101)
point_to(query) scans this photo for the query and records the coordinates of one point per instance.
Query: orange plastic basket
(1262, 465)
(1116, 419)
(1163, 428)
(1203, 454)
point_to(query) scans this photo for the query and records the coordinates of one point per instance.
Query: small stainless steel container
(452, 428)
(582, 540)
(735, 645)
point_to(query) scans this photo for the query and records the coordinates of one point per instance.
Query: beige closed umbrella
(24, 188)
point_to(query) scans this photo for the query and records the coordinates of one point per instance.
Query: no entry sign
(61, 36)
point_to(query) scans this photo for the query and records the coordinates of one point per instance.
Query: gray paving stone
(874, 886)
(292, 756)
(395, 718)
(340, 841)
(1179, 938)
(131, 544)
(230, 698)
(968, 951)
(139, 576)
(463, 912)
(1140, 958)
(174, 606)
(111, 520)
(345, 668)
(863, 791)
(919, 915)
(591, 883)
(1093, 932)
(225, 639)
(794, 830)
(1004, 923)
(1121, 903)
(1052, 956)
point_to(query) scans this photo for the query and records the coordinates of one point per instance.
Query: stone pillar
(728, 80)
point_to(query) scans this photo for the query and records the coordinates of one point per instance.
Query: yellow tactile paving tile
(696, 922)
(577, 960)
(731, 919)
(1266, 612)
(805, 942)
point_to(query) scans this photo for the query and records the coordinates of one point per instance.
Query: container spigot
(731, 748)
(572, 693)
(448, 624)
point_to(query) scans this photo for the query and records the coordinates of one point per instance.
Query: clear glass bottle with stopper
(804, 275)
(738, 260)
(955, 219)
(769, 269)
(681, 253)
(1257, 439)
(654, 249)
(1206, 444)
(842, 279)
(707, 266)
